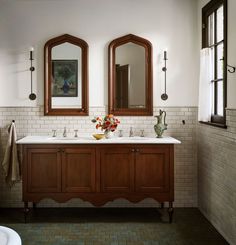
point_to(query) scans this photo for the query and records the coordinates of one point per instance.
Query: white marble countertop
(91, 140)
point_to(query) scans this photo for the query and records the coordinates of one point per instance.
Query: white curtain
(205, 86)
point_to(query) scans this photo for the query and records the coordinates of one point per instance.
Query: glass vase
(108, 134)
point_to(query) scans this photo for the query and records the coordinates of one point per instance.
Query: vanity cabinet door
(78, 168)
(117, 168)
(152, 169)
(43, 170)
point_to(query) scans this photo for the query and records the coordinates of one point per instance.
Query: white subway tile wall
(217, 175)
(210, 184)
(31, 121)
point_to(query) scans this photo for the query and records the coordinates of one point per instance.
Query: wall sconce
(164, 69)
(32, 96)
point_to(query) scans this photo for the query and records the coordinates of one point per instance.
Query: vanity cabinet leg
(26, 210)
(162, 205)
(170, 211)
(34, 205)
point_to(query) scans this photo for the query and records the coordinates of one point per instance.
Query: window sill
(218, 125)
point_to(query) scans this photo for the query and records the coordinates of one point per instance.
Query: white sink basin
(133, 138)
(63, 138)
(70, 138)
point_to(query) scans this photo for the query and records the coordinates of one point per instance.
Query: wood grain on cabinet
(43, 170)
(117, 166)
(152, 169)
(78, 170)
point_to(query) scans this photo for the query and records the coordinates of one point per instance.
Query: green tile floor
(121, 226)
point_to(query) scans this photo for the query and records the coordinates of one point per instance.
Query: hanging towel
(10, 163)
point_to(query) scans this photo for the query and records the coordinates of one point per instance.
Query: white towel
(10, 163)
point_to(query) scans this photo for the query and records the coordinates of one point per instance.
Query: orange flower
(109, 122)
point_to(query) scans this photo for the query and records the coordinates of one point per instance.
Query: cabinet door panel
(152, 170)
(78, 167)
(117, 168)
(44, 170)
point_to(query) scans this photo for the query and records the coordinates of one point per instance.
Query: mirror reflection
(66, 75)
(130, 89)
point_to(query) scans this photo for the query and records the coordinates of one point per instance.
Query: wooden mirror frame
(48, 110)
(148, 110)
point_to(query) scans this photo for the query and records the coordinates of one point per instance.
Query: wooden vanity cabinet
(152, 170)
(117, 169)
(98, 173)
(55, 169)
(42, 170)
(135, 169)
(78, 170)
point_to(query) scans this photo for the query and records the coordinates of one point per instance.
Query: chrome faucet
(120, 133)
(142, 133)
(54, 133)
(64, 132)
(76, 133)
(131, 133)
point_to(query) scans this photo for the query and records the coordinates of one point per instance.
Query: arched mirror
(66, 76)
(130, 76)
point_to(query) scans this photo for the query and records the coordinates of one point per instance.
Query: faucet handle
(120, 133)
(54, 133)
(64, 132)
(142, 133)
(131, 133)
(76, 133)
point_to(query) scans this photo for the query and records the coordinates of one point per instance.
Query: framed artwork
(65, 78)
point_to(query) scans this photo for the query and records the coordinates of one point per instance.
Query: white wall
(231, 80)
(168, 24)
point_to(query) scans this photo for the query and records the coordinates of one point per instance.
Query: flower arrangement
(108, 123)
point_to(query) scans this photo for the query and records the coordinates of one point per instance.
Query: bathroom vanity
(98, 171)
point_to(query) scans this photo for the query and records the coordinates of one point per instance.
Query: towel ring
(231, 69)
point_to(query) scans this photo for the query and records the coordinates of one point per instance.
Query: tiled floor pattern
(122, 226)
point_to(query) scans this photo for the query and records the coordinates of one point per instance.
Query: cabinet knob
(133, 150)
(58, 150)
(62, 150)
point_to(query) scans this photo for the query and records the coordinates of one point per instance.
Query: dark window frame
(207, 10)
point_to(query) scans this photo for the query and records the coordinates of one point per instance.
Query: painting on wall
(65, 78)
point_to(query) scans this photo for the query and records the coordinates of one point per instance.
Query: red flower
(109, 122)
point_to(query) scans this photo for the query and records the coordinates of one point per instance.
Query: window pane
(220, 24)
(211, 29)
(220, 61)
(212, 65)
(213, 98)
(220, 108)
